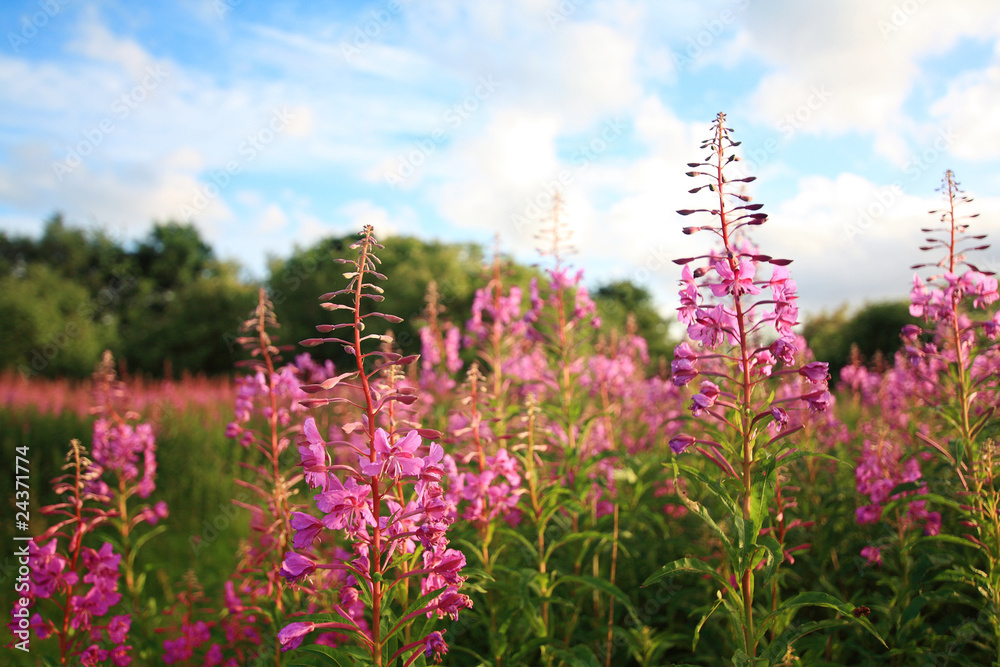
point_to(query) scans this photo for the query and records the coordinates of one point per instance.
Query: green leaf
(701, 623)
(950, 539)
(777, 649)
(602, 585)
(414, 606)
(696, 566)
(321, 618)
(817, 599)
(342, 656)
(775, 557)
(761, 495)
(699, 510)
(572, 537)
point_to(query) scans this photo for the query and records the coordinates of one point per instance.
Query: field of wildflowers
(530, 490)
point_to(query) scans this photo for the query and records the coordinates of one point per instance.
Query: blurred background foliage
(167, 306)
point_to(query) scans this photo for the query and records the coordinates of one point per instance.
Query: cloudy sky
(271, 125)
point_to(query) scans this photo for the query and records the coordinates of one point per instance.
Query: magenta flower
(868, 514)
(296, 567)
(817, 371)
(737, 283)
(394, 460)
(780, 417)
(307, 529)
(118, 628)
(705, 398)
(679, 443)
(450, 602)
(435, 646)
(314, 455)
(291, 636)
(873, 554)
(345, 505)
(818, 400)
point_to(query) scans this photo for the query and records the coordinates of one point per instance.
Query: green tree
(51, 326)
(296, 283)
(617, 300)
(874, 329)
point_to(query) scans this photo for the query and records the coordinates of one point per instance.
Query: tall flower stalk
(388, 505)
(728, 312)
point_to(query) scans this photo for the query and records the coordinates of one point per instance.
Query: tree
(51, 325)
(409, 265)
(617, 300)
(875, 328)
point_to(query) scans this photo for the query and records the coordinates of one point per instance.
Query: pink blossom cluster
(936, 302)
(55, 577)
(882, 467)
(492, 492)
(251, 390)
(709, 309)
(119, 446)
(348, 505)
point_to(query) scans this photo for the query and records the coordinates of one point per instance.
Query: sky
(272, 125)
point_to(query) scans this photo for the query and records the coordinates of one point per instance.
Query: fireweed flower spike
(78, 583)
(939, 300)
(728, 304)
(387, 505)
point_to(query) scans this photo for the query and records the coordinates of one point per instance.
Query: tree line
(167, 305)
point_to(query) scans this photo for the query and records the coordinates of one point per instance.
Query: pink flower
(689, 297)
(314, 455)
(818, 400)
(785, 349)
(711, 327)
(345, 505)
(679, 443)
(740, 282)
(817, 371)
(307, 529)
(118, 628)
(705, 398)
(291, 635)
(394, 460)
(873, 554)
(296, 567)
(435, 646)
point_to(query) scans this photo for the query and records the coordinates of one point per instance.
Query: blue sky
(271, 125)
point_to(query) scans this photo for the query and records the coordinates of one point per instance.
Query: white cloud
(868, 55)
(969, 107)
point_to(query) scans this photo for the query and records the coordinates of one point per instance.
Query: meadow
(531, 489)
